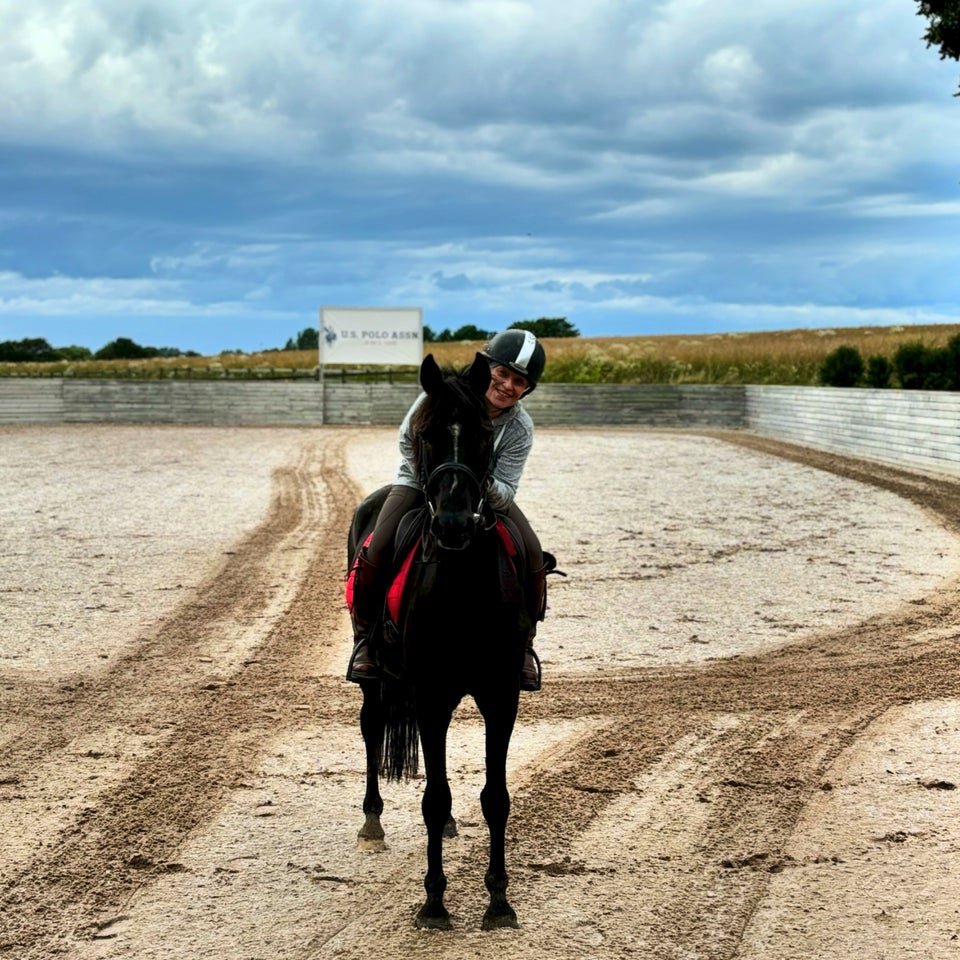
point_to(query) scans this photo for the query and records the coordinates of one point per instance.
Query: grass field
(773, 357)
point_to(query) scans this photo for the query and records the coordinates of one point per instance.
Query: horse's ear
(479, 375)
(431, 379)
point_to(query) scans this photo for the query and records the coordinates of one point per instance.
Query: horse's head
(454, 450)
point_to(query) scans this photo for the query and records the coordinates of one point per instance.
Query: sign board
(371, 335)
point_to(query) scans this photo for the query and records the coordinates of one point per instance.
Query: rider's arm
(511, 454)
(406, 473)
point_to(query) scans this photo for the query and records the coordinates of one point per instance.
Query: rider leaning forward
(516, 364)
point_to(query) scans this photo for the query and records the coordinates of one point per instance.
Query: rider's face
(506, 388)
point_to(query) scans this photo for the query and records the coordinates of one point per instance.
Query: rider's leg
(536, 595)
(369, 584)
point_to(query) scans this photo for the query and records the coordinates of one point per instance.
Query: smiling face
(506, 388)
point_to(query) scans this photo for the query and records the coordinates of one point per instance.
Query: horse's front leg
(436, 805)
(499, 716)
(371, 836)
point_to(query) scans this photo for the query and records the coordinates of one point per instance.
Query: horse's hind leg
(371, 836)
(495, 802)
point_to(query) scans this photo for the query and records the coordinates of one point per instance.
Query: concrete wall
(918, 429)
(914, 428)
(295, 403)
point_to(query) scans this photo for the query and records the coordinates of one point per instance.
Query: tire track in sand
(205, 729)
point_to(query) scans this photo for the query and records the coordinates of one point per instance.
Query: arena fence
(919, 429)
(307, 403)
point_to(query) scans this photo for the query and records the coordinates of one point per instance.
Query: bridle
(453, 465)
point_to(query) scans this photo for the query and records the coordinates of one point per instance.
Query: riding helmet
(520, 351)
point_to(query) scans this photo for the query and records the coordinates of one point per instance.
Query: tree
(466, 332)
(31, 350)
(123, 348)
(306, 339)
(944, 29)
(74, 353)
(471, 332)
(548, 327)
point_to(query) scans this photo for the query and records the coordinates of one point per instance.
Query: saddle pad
(352, 576)
(399, 584)
(506, 538)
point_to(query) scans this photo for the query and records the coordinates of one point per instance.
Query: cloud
(488, 160)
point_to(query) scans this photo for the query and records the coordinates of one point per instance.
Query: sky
(206, 174)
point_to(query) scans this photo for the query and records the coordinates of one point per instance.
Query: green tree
(944, 28)
(470, 332)
(74, 353)
(548, 327)
(123, 348)
(30, 350)
(842, 367)
(306, 339)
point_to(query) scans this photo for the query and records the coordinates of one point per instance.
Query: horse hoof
(501, 919)
(370, 846)
(433, 920)
(450, 829)
(370, 837)
(440, 922)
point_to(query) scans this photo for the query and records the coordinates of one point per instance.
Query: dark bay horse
(460, 633)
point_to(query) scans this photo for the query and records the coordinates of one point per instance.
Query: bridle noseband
(455, 466)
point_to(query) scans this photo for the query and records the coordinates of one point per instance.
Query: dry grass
(785, 357)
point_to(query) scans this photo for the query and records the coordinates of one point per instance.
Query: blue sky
(206, 174)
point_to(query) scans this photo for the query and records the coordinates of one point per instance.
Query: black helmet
(520, 351)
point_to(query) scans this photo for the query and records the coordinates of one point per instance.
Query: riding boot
(366, 615)
(531, 675)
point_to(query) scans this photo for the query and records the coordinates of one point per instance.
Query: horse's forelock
(438, 409)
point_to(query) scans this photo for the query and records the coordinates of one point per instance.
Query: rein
(453, 465)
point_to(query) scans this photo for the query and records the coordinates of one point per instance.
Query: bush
(842, 367)
(879, 372)
(952, 351)
(920, 367)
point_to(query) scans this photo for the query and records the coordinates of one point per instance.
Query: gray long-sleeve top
(512, 440)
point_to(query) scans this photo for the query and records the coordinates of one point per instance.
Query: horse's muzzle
(453, 531)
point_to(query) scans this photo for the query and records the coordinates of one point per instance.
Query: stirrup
(531, 684)
(371, 671)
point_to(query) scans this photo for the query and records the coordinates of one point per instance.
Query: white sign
(371, 335)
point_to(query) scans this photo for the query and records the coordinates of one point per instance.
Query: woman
(516, 360)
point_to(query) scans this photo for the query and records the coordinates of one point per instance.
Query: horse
(461, 632)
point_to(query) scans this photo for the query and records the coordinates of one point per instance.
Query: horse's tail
(400, 750)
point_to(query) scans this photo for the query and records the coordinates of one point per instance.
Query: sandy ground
(746, 745)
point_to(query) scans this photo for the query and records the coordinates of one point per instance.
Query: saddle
(510, 567)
